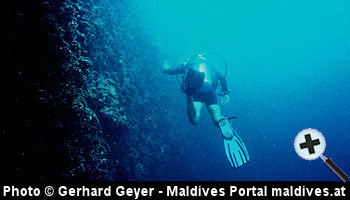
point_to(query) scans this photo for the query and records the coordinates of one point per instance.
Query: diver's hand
(225, 99)
(166, 66)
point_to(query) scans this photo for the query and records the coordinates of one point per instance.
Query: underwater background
(85, 97)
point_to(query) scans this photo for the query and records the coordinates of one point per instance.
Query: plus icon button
(309, 144)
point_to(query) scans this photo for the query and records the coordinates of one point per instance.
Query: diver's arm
(223, 83)
(225, 99)
(178, 70)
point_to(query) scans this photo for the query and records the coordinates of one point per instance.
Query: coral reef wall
(82, 98)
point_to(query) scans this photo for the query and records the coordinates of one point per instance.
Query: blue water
(288, 69)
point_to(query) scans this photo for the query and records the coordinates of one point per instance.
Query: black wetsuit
(206, 93)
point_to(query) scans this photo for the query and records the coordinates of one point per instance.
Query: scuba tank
(193, 79)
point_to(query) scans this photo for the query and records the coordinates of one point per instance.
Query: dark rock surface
(81, 93)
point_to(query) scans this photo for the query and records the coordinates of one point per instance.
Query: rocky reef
(81, 93)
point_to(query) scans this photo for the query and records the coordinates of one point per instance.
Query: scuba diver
(199, 82)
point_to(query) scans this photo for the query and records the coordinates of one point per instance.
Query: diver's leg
(214, 111)
(193, 110)
(211, 101)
